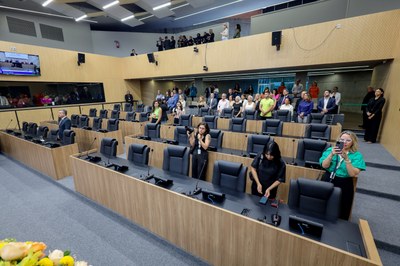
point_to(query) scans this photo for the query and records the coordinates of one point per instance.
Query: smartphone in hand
(339, 145)
(263, 200)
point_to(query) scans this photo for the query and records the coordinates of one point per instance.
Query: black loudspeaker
(81, 58)
(151, 58)
(276, 38)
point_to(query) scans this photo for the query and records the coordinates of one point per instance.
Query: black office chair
(115, 114)
(97, 123)
(256, 143)
(112, 124)
(130, 116)
(250, 114)
(318, 131)
(211, 121)
(128, 107)
(176, 159)
(140, 108)
(144, 117)
(117, 107)
(185, 120)
(152, 130)
(227, 113)
(309, 151)
(237, 125)
(317, 118)
(203, 111)
(83, 121)
(92, 112)
(272, 127)
(108, 147)
(230, 175)
(42, 132)
(337, 119)
(103, 113)
(74, 120)
(139, 153)
(216, 139)
(315, 198)
(180, 135)
(32, 128)
(282, 115)
(148, 109)
(68, 137)
(25, 127)
(53, 135)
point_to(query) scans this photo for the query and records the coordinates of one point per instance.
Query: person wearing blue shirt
(193, 92)
(173, 100)
(305, 108)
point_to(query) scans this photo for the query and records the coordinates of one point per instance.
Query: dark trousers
(346, 201)
(198, 160)
(365, 118)
(372, 128)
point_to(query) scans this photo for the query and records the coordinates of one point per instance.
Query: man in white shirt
(225, 33)
(159, 96)
(336, 95)
(297, 87)
(223, 103)
(4, 101)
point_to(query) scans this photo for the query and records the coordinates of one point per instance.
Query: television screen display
(19, 64)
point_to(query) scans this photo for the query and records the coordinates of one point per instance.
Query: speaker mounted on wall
(152, 59)
(276, 39)
(81, 59)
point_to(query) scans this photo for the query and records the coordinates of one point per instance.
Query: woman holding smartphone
(342, 163)
(199, 142)
(268, 170)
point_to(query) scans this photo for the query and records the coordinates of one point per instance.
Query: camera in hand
(189, 129)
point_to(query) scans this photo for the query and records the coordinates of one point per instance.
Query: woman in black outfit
(268, 170)
(374, 113)
(199, 142)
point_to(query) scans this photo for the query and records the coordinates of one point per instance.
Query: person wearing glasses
(199, 141)
(341, 166)
(268, 171)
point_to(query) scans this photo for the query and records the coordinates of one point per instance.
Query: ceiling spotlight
(195, 49)
(80, 18)
(130, 17)
(111, 4)
(162, 6)
(47, 2)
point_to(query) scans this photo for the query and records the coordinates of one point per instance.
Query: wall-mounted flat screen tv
(19, 64)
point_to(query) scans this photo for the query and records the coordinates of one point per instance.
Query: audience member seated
(179, 111)
(138, 153)
(230, 175)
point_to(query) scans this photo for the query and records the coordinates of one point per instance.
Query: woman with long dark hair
(268, 170)
(156, 113)
(374, 115)
(199, 142)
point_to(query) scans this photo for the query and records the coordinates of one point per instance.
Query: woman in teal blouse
(343, 165)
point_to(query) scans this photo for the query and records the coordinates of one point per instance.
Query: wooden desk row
(218, 236)
(53, 162)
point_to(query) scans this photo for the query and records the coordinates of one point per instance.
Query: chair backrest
(282, 115)
(338, 118)
(83, 121)
(211, 120)
(112, 124)
(180, 135)
(68, 137)
(318, 131)
(139, 153)
(204, 111)
(237, 125)
(310, 150)
(230, 175)
(97, 123)
(42, 131)
(147, 109)
(256, 143)
(115, 114)
(176, 159)
(143, 117)
(109, 147)
(315, 198)
(25, 127)
(317, 118)
(103, 113)
(32, 128)
(117, 107)
(140, 108)
(130, 116)
(53, 135)
(185, 120)
(216, 138)
(74, 120)
(128, 107)
(227, 112)
(250, 114)
(152, 130)
(272, 127)
(92, 112)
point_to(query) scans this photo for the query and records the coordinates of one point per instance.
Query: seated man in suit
(63, 124)
(212, 103)
(326, 104)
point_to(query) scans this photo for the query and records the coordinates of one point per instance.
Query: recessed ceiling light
(129, 17)
(162, 6)
(80, 18)
(111, 4)
(47, 2)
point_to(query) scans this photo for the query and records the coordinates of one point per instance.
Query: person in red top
(281, 88)
(314, 90)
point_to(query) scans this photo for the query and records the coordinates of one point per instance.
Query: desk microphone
(276, 218)
(293, 159)
(90, 147)
(243, 148)
(197, 189)
(148, 177)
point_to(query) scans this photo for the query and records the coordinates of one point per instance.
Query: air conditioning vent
(20, 26)
(51, 33)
